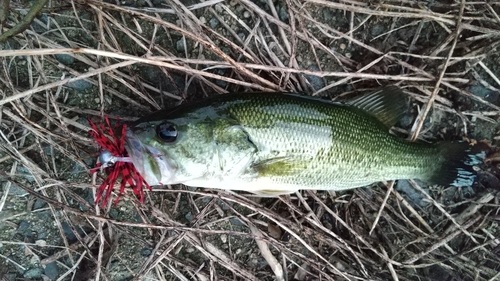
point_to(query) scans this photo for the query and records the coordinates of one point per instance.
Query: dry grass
(137, 59)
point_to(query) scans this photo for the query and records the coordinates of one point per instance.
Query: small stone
(235, 221)
(406, 120)
(39, 204)
(203, 20)
(65, 59)
(246, 14)
(42, 235)
(301, 273)
(26, 174)
(327, 14)
(107, 99)
(23, 227)
(34, 259)
(315, 81)
(189, 217)
(342, 46)
(69, 232)
(79, 85)
(33, 273)
(274, 231)
(180, 45)
(223, 238)
(41, 243)
(377, 30)
(411, 194)
(221, 83)
(51, 271)
(282, 13)
(146, 252)
(213, 22)
(340, 266)
(97, 100)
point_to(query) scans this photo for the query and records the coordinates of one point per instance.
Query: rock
(213, 22)
(39, 204)
(51, 271)
(403, 186)
(315, 81)
(485, 93)
(274, 231)
(406, 120)
(327, 14)
(25, 173)
(65, 59)
(41, 243)
(488, 180)
(236, 221)
(146, 252)
(33, 273)
(181, 45)
(16, 190)
(79, 85)
(69, 232)
(283, 14)
(189, 217)
(377, 30)
(24, 228)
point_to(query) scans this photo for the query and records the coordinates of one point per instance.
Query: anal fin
(272, 193)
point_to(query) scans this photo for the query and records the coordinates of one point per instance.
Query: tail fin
(460, 159)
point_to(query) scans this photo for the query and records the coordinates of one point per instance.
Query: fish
(278, 143)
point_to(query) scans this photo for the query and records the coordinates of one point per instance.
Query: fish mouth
(151, 163)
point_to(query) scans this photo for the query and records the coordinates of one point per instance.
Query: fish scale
(274, 143)
(355, 149)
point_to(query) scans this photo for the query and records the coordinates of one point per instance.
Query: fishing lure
(114, 160)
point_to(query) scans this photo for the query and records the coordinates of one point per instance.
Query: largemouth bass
(275, 143)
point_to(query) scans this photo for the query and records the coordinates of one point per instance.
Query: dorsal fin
(388, 104)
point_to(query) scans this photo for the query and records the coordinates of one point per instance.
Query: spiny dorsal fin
(387, 104)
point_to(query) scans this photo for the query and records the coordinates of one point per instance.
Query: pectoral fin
(280, 166)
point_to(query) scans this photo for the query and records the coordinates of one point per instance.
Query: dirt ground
(86, 59)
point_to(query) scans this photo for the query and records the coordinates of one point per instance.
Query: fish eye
(167, 132)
